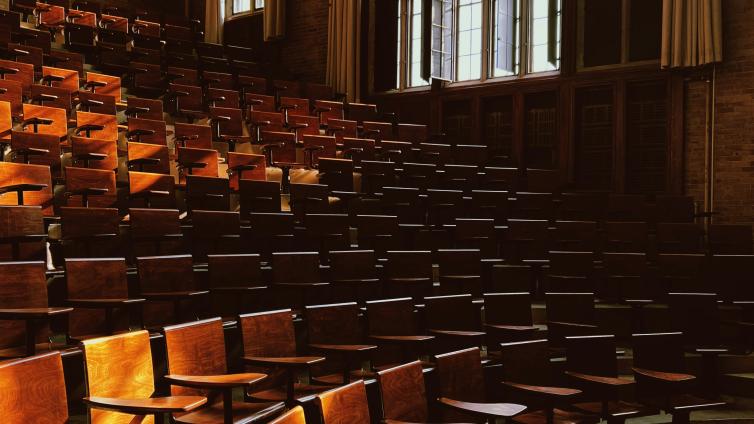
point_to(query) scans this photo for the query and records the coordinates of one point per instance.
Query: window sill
(242, 15)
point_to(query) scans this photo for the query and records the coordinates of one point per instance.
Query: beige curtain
(213, 22)
(343, 47)
(274, 19)
(692, 33)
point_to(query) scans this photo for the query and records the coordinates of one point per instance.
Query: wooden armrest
(501, 410)
(665, 377)
(261, 123)
(298, 126)
(139, 132)
(600, 381)
(286, 107)
(94, 84)
(134, 110)
(545, 391)
(143, 161)
(343, 347)
(147, 406)
(569, 324)
(302, 285)
(91, 191)
(91, 156)
(284, 362)
(32, 313)
(178, 295)
(92, 102)
(227, 381)
(711, 350)
(36, 121)
(402, 339)
(22, 187)
(89, 127)
(457, 333)
(247, 167)
(102, 303)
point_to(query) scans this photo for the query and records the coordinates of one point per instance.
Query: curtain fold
(343, 47)
(691, 33)
(213, 21)
(274, 19)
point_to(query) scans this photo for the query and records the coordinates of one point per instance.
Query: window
(473, 40)
(244, 6)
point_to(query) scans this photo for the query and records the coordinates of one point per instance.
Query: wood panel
(345, 405)
(196, 348)
(22, 285)
(18, 173)
(32, 390)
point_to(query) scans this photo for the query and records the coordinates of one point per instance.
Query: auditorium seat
(393, 325)
(45, 392)
(508, 318)
(197, 367)
(346, 404)
(570, 314)
(460, 271)
(353, 275)
(455, 321)
(408, 274)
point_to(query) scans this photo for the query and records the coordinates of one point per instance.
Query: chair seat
(617, 409)
(278, 394)
(560, 417)
(243, 413)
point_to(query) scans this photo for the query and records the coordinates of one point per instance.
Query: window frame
(230, 12)
(487, 72)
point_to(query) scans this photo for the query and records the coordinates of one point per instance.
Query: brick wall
(304, 50)
(734, 128)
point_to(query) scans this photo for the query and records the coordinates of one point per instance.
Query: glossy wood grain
(294, 416)
(83, 149)
(345, 405)
(22, 285)
(198, 136)
(459, 375)
(22, 141)
(112, 87)
(154, 222)
(17, 173)
(18, 226)
(205, 156)
(235, 160)
(25, 74)
(334, 324)
(158, 126)
(78, 179)
(70, 78)
(13, 95)
(119, 367)
(155, 107)
(96, 279)
(161, 274)
(196, 348)
(327, 144)
(403, 393)
(268, 334)
(32, 390)
(110, 130)
(207, 193)
(58, 126)
(151, 151)
(77, 222)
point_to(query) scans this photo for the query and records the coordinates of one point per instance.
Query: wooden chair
(261, 123)
(90, 232)
(120, 381)
(403, 394)
(22, 234)
(45, 120)
(454, 320)
(479, 234)
(500, 179)
(729, 275)
(418, 175)
(460, 271)
(358, 149)
(269, 344)
(220, 80)
(327, 232)
(37, 149)
(197, 162)
(570, 314)
(151, 190)
(526, 240)
(148, 157)
(674, 209)
(461, 387)
(142, 130)
(291, 106)
(259, 103)
(533, 206)
(168, 285)
(379, 233)
(570, 272)
(471, 155)
(144, 108)
(317, 147)
(259, 196)
(327, 110)
(228, 99)
(543, 181)
(582, 206)
(52, 97)
(408, 273)
(236, 284)
(437, 154)
(154, 232)
(592, 366)
(11, 92)
(338, 175)
(682, 273)
(296, 276)
(271, 232)
(405, 203)
(730, 239)
(104, 84)
(207, 193)
(579, 236)
(460, 177)
(529, 377)
(244, 166)
(301, 126)
(490, 205)
(90, 187)
(282, 88)
(353, 275)
(319, 91)
(101, 305)
(626, 237)
(96, 125)
(44, 394)
(513, 278)
(336, 331)
(341, 128)
(626, 207)
(26, 185)
(294, 415)
(23, 73)
(627, 278)
(183, 76)
(377, 130)
(444, 206)
(67, 60)
(193, 136)
(196, 367)
(214, 232)
(375, 175)
(309, 199)
(660, 375)
(280, 149)
(508, 318)
(25, 316)
(228, 126)
(346, 404)
(188, 101)
(63, 78)
(411, 133)
(394, 327)
(679, 237)
(94, 153)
